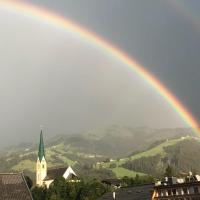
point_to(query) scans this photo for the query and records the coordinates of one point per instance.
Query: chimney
(114, 196)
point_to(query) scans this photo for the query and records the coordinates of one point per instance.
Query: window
(159, 193)
(43, 166)
(174, 191)
(169, 192)
(185, 191)
(179, 199)
(196, 190)
(163, 193)
(179, 191)
(191, 190)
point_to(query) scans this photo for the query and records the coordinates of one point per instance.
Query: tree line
(61, 189)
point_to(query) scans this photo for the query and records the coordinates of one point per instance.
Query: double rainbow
(60, 22)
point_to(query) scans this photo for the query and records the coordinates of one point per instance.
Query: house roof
(177, 185)
(41, 152)
(112, 181)
(13, 187)
(55, 173)
(143, 192)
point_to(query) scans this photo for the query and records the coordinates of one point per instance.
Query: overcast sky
(51, 78)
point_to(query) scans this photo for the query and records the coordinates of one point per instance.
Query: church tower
(41, 165)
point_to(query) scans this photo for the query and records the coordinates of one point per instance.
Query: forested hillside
(182, 156)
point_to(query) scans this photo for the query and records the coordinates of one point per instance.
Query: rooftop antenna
(114, 195)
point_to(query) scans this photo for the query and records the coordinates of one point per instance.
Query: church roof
(13, 187)
(55, 173)
(41, 152)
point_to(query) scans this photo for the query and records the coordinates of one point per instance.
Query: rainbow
(45, 16)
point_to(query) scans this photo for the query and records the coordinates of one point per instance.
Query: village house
(142, 192)
(172, 188)
(112, 182)
(187, 188)
(45, 176)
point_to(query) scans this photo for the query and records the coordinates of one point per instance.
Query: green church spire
(41, 152)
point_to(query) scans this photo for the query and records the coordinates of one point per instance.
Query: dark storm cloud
(154, 32)
(51, 78)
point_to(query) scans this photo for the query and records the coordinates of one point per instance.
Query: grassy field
(121, 172)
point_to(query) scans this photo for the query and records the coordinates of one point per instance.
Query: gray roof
(112, 181)
(13, 187)
(143, 192)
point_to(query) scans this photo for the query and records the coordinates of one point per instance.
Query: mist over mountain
(114, 141)
(88, 148)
